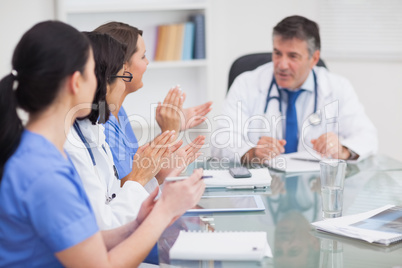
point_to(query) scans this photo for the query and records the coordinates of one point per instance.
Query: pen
(246, 187)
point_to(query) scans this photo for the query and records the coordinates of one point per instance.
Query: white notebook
(222, 178)
(223, 246)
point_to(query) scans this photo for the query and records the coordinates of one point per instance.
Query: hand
(328, 145)
(147, 206)
(266, 149)
(181, 158)
(195, 115)
(187, 154)
(147, 160)
(179, 196)
(168, 115)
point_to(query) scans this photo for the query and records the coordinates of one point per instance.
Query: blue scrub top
(43, 206)
(122, 142)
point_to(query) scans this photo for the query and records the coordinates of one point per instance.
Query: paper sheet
(342, 226)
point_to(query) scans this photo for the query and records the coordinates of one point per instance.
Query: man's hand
(328, 145)
(266, 149)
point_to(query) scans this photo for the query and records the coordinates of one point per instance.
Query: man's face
(292, 63)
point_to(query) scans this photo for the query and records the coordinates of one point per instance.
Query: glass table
(292, 202)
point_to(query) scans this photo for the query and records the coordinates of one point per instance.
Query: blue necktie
(291, 137)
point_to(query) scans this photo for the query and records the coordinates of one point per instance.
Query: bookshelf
(192, 75)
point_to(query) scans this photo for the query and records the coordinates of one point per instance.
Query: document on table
(260, 179)
(229, 246)
(295, 162)
(380, 226)
(221, 178)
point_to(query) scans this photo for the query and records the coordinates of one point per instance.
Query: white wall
(16, 17)
(244, 26)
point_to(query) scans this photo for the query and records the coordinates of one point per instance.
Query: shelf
(177, 64)
(107, 7)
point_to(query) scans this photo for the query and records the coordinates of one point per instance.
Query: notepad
(223, 246)
(221, 178)
(381, 226)
(290, 164)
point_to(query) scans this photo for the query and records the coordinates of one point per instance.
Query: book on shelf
(379, 226)
(188, 41)
(161, 43)
(240, 246)
(178, 41)
(181, 41)
(170, 42)
(199, 36)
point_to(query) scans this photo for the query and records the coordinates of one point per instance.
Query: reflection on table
(292, 203)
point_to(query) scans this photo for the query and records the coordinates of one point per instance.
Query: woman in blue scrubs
(46, 219)
(119, 134)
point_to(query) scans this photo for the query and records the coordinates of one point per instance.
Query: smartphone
(239, 172)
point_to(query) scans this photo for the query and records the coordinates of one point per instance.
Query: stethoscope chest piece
(314, 119)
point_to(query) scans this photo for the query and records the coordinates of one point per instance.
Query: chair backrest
(252, 61)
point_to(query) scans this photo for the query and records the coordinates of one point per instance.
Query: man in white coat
(291, 105)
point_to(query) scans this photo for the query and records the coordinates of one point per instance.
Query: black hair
(301, 28)
(109, 59)
(124, 33)
(45, 56)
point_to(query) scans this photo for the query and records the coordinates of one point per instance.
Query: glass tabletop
(292, 202)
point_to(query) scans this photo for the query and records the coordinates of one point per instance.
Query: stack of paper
(241, 246)
(382, 225)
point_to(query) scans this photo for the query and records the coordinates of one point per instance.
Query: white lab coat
(100, 182)
(243, 122)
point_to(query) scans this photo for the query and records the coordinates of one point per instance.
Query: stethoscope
(314, 118)
(82, 137)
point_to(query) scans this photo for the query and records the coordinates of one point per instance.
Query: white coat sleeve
(122, 209)
(228, 140)
(356, 130)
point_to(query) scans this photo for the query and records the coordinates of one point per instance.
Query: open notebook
(381, 226)
(241, 246)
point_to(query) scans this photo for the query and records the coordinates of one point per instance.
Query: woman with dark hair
(169, 115)
(113, 204)
(46, 219)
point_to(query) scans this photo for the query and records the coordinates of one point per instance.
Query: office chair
(252, 61)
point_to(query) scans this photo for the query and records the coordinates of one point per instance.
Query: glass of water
(332, 179)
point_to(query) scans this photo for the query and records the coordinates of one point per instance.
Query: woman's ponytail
(11, 125)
